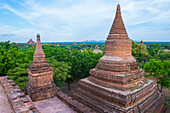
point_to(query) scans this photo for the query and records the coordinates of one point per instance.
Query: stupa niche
(117, 84)
(40, 85)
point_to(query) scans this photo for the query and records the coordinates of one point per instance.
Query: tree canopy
(73, 62)
(159, 70)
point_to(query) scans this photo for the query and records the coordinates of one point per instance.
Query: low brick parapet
(20, 102)
(74, 104)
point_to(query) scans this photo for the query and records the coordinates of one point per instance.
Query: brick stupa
(40, 85)
(117, 85)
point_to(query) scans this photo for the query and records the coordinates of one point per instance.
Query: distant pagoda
(117, 85)
(97, 46)
(30, 42)
(141, 42)
(40, 85)
(74, 43)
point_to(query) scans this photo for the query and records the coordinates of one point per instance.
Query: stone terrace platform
(52, 105)
(13, 100)
(5, 106)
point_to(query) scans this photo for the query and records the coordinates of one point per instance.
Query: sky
(81, 20)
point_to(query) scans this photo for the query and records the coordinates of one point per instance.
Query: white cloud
(17, 34)
(67, 20)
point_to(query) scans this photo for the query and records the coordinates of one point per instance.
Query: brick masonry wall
(74, 104)
(20, 103)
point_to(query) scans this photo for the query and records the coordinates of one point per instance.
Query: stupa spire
(118, 43)
(118, 25)
(39, 54)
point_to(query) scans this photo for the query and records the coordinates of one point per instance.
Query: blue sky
(80, 20)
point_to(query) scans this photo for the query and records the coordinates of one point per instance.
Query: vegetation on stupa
(73, 62)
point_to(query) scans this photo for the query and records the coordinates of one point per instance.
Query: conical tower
(39, 55)
(40, 85)
(118, 25)
(117, 85)
(118, 48)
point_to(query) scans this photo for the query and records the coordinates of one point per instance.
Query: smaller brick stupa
(40, 85)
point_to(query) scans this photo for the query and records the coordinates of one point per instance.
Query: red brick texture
(41, 85)
(20, 103)
(117, 84)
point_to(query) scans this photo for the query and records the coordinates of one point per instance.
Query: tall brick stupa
(117, 85)
(40, 85)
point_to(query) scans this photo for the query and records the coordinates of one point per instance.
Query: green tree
(82, 62)
(154, 49)
(20, 75)
(164, 55)
(11, 56)
(167, 46)
(140, 53)
(159, 70)
(61, 71)
(6, 44)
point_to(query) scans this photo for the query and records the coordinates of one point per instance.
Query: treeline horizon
(70, 62)
(91, 42)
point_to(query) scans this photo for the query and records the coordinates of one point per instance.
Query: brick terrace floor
(53, 105)
(4, 103)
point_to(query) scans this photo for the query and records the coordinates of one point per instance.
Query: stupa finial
(118, 25)
(39, 54)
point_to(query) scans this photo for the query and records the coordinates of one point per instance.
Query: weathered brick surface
(74, 104)
(20, 103)
(41, 85)
(117, 84)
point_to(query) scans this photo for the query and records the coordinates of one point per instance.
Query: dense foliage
(73, 62)
(69, 64)
(161, 71)
(140, 52)
(61, 71)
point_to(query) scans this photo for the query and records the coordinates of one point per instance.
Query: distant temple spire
(118, 25)
(74, 43)
(30, 42)
(142, 43)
